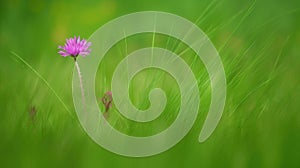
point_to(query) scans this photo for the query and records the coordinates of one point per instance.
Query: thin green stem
(81, 84)
(44, 80)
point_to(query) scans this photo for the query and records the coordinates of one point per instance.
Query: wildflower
(107, 100)
(32, 113)
(74, 47)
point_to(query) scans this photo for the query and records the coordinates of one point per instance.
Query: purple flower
(74, 47)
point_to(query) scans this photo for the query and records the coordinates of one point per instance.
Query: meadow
(258, 42)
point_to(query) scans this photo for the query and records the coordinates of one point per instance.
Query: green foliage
(259, 46)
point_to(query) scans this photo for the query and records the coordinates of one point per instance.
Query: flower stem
(81, 84)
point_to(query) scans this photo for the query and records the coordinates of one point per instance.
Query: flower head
(107, 100)
(74, 47)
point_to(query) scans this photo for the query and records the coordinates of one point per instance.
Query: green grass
(258, 44)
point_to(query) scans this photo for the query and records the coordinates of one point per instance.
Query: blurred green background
(258, 42)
